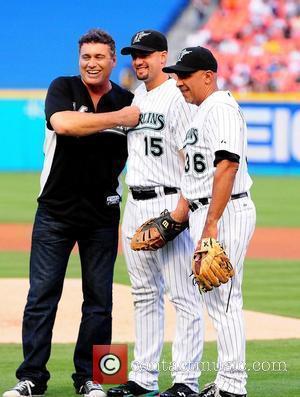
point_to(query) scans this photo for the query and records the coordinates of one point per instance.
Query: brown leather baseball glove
(211, 266)
(156, 232)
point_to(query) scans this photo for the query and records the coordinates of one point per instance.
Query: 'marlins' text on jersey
(154, 143)
(151, 121)
(191, 137)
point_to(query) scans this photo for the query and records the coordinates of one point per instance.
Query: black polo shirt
(80, 177)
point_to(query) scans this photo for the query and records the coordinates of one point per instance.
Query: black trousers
(52, 243)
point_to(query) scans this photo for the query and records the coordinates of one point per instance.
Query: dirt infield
(16, 237)
(258, 325)
(267, 243)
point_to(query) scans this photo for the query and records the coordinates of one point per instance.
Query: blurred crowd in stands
(202, 8)
(256, 43)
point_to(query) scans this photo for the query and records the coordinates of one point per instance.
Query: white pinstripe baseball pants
(152, 274)
(235, 229)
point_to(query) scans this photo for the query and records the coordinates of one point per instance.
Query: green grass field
(277, 199)
(259, 295)
(264, 281)
(18, 194)
(269, 286)
(15, 264)
(273, 368)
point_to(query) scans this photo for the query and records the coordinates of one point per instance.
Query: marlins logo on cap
(182, 54)
(146, 41)
(192, 59)
(139, 36)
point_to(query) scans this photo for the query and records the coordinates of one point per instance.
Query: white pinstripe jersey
(153, 145)
(218, 125)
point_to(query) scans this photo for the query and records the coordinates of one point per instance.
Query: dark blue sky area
(39, 38)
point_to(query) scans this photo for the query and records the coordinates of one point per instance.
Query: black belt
(193, 204)
(148, 193)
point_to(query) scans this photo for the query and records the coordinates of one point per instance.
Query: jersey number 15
(153, 146)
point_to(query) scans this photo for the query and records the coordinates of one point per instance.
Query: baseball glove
(156, 232)
(211, 266)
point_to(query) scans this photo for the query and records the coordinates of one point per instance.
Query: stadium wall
(273, 131)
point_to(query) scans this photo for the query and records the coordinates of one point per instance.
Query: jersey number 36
(197, 165)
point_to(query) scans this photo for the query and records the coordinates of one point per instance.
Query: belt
(148, 193)
(194, 204)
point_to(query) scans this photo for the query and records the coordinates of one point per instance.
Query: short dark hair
(98, 36)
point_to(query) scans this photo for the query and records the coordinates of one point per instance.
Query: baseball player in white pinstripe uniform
(154, 171)
(216, 185)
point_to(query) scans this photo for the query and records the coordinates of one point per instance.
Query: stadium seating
(257, 44)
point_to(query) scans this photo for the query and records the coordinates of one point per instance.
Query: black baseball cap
(148, 41)
(192, 59)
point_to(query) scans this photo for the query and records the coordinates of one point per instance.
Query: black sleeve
(119, 97)
(225, 155)
(58, 98)
(129, 97)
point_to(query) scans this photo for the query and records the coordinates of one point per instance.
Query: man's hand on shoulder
(129, 116)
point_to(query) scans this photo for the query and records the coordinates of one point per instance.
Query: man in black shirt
(85, 152)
